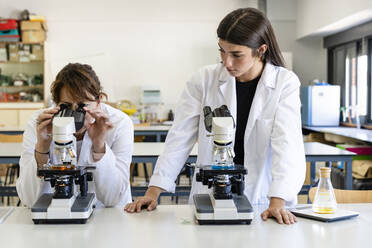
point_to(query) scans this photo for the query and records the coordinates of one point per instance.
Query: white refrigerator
(320, 105)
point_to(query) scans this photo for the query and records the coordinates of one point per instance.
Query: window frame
(369, 79)
(357, 36)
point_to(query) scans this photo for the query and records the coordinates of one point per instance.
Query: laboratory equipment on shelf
(151, 104)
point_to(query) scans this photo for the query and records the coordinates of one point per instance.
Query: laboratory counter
(173, 226)
(157, 131)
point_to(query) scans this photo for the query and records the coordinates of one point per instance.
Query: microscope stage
(81, 210)
(76, 171)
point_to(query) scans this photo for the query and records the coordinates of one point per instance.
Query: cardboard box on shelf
(3, 53)
(33, 32)
(13, 52)
(13, 48)
(362, 169)
(24, 56)
(31, 25)
(14, 57)
(25, 47)
(37, 52)
(24, 53)
(33, 36)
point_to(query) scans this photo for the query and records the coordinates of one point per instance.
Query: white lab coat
(111, 176)
(273, 145)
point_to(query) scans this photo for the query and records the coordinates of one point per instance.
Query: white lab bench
(173, 226)
(158, 131)
(144, 152)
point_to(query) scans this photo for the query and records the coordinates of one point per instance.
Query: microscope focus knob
(89, 176)
(198, 177)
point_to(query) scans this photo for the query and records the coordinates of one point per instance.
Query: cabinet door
(24, 116)
(9, 118)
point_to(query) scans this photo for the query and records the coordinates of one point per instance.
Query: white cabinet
(8, 118)
(14, 116)
(23, 117)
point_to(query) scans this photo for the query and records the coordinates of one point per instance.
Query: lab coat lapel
(228, 90)
(261, 97)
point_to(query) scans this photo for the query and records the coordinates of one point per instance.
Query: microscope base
(224, 222)
(78, 213)
(206, 214)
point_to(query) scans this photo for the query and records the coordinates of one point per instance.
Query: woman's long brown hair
(80, 81)
(249, 27)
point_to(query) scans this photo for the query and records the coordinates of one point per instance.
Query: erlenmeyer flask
(325, 200)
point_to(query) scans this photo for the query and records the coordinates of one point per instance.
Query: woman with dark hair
(105, 141)
(263, 98)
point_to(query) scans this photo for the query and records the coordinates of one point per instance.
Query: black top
(244, 97)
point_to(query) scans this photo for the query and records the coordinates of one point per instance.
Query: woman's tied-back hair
(249, 27)
(80, 81)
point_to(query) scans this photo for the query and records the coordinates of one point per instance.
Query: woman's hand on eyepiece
(98, 128)
(44, 127)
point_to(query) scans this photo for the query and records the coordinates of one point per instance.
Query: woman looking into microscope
(105, 141)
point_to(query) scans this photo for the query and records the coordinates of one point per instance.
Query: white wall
(162, 42)
(131, 43)
(322, 17)
(309, 56)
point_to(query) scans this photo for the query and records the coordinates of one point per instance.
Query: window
(348, 67)
(361, 82)
(369, 80)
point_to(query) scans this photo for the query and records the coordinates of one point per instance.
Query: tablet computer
(307, 212)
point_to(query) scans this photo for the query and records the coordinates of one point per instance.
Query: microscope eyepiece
(79, 114)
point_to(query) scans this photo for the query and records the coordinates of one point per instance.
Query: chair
(188, 171)
(12, 171)
(347, 196)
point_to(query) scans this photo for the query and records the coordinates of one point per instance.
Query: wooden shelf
(23, 87)
(30, 62)
(18, 112)
(24, 43)
(21, 105)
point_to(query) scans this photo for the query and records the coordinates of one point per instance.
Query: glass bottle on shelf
(324, 200)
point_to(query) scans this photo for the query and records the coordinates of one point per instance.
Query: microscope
(226, 204)
(66, 204)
